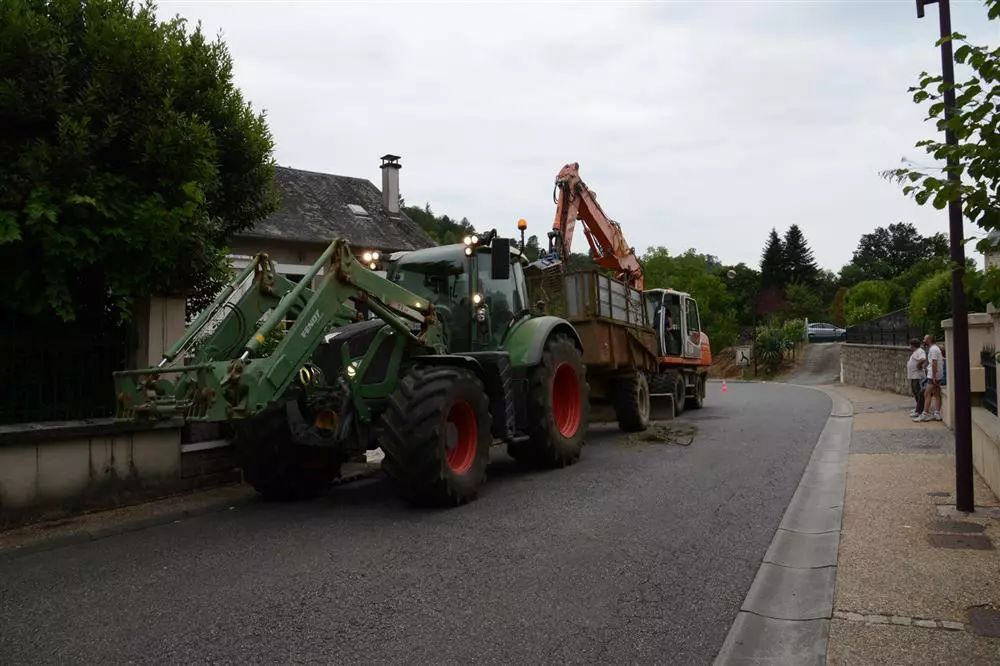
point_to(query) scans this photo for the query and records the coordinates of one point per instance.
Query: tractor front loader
(452, 362)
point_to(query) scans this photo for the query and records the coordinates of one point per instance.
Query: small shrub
(769, 348)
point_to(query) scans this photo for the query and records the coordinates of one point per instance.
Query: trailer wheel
(697, 401)
(632, 403)
(277, 468)
(680, 393)
(558, 407)
(437, 435)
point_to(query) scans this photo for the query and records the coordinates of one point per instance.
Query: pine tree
(772, 262)
(799, 264)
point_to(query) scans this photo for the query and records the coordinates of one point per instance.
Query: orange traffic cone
(724, 389)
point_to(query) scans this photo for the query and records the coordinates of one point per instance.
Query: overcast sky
(699, 123)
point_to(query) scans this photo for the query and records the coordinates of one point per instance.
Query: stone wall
(875, 367)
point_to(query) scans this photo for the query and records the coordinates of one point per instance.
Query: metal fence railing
(892, 329)
(57, 371)
(988, 357)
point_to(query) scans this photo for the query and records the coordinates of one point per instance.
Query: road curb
(785, 617)
(52, 543)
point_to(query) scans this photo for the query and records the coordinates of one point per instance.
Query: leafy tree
(442, 230)
(881, 293)
(802, 301)
(532, 248)
(696, 274)
(744, 287)
(798, 261)
(127, 156)
(837, 313)
(976, 156)
(772, 262)
(863, 312)
(930, 303)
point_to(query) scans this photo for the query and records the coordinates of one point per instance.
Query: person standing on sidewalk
(932, 396)
(917, 374)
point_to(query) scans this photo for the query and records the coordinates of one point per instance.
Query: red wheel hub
(464, 431)
(566, 400)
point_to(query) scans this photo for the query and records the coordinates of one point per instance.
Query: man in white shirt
(935, 372)
(917, 374)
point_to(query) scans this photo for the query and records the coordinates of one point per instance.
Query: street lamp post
(964, 499)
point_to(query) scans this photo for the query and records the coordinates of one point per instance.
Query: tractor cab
(477, 288)
(674, 315)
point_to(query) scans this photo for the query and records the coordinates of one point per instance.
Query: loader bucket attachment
(189, 392)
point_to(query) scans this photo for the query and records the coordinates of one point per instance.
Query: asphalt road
(641, 553)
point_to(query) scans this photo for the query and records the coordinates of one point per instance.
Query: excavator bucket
(661, 407)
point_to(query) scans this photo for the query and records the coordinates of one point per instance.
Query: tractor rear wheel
(631, 398)
(277, 468)
(558, 407)
(437, 435)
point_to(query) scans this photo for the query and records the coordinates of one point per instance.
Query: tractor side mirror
(500, 259)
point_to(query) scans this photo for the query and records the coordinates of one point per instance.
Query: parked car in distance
(820, 331)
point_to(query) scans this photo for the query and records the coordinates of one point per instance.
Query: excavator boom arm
(575, 201)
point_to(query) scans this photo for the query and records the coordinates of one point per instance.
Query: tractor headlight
(375, 256)
(475, 240)
(352, 369)
(468, 251)
(477, 298)
(467, 240)
(367, 257)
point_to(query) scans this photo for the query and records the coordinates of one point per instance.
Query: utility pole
(959, 386)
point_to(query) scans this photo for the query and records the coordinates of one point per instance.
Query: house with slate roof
(316, 208)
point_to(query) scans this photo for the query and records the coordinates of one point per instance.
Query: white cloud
(699, 124)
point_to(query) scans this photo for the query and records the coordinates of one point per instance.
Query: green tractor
(434, 364)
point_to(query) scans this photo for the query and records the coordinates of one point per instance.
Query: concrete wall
(986, 447)
(62, 469)
(875, 367)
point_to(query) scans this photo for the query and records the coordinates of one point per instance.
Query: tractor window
(501, 297)
(445, 284)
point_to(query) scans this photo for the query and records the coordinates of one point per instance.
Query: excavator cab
(677, 322)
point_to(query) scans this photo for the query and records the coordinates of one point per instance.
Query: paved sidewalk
(909, 589)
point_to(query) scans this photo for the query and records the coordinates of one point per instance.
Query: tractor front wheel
(278, 468)
(558, 407)
(437, 435)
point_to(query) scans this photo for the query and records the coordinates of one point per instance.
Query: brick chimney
(390, 182)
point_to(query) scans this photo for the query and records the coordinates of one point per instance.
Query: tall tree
(127, 155)
(772, 262)
(799, 264)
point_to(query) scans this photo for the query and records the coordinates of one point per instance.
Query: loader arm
(219, 389)
(575, 201)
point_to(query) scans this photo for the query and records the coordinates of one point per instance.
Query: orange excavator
(684, 350)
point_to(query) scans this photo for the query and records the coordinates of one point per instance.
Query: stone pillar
(159, 323)
(982, 332)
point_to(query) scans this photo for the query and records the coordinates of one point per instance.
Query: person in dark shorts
(916, 372)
